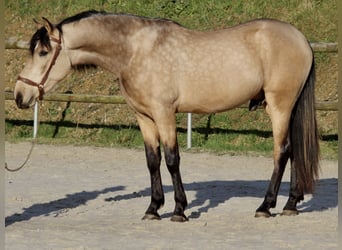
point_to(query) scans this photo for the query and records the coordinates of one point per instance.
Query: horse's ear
(48, 25)
(36, 22)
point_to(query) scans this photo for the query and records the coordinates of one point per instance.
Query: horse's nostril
(19, 101)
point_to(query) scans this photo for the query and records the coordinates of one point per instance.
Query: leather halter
(40, 85)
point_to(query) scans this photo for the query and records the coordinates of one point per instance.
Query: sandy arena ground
(94, 198)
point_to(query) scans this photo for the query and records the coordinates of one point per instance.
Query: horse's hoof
(287, 212)
(179, 218)
(151, 217)
(262, 214)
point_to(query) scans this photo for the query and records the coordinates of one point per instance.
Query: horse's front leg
(166, 123)
(172, 161)
(153, 158)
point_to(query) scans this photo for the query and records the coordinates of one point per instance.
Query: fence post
(189, 132)
(35, 120)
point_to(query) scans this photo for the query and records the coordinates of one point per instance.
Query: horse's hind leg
(153, 158)
(295, 194)
(281, 154)
(273, 188)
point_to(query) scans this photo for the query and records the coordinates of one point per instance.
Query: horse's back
(223, 69)
(213, 71)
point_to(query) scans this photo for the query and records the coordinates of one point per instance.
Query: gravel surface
(72, 197)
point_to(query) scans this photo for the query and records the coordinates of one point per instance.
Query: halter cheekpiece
(40, 85)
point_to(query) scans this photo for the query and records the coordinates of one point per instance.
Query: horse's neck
(101, 44)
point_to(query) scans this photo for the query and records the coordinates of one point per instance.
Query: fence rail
(14, 43)
(115, 99)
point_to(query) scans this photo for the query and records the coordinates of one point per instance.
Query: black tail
(304, 136)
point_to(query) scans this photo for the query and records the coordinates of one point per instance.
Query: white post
(35, 119)
(189, 131)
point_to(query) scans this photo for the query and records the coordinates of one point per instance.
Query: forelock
(42, 37)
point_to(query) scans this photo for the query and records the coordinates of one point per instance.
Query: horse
(165, 68)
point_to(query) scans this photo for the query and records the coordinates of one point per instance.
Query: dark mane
(90, 13)
(83, 67)
(42, 37)
(79, 16)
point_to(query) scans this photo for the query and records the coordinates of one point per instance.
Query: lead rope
(33, 141)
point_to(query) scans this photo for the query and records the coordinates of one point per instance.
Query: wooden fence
(13, 43)
(115, 99)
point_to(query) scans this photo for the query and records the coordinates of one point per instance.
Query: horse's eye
(43, 53)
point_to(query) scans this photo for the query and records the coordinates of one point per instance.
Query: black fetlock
(291, 206)
(154, 216)
(179, 218)
(152, 211)
(178, 214)
(263, 211)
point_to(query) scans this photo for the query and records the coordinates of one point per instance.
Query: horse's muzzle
(19, 101)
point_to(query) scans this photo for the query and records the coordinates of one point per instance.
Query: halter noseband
(40, 85)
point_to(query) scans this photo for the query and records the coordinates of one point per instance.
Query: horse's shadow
(213, 193)
(208, 194)
(69, 202)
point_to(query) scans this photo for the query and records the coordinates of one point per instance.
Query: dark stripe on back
(79, 16)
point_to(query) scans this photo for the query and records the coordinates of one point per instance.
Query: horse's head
(47, 65)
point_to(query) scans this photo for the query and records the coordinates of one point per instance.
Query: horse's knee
(153, 158)
(172, 159)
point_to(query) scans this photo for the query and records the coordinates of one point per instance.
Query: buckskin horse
(165, 68)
